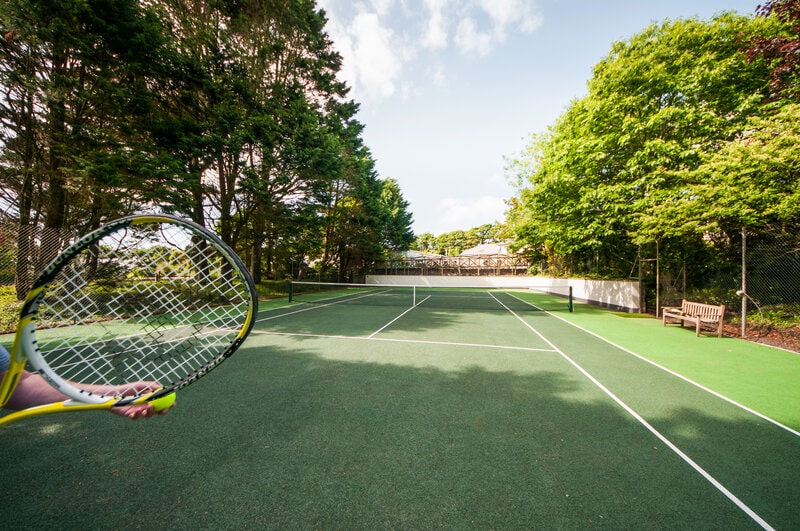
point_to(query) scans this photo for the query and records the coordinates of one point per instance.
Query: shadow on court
(467, 326)
(282, 437)
(362, 320)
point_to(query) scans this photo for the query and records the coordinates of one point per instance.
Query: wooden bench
(695, 312)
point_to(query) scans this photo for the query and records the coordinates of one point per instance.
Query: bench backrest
(702, 310)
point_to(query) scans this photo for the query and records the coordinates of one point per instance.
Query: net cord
(413, 287)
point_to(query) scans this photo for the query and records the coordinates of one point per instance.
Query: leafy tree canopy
(651, 152)
(230, 113)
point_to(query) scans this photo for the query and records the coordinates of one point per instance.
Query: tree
(781, 51)
(298, 114)
(75, 79)
(425, 242)
(230, 113)
(751, 182)
(397, 219)
(483, 234)
(656, 107)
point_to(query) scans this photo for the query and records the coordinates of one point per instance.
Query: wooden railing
(454, 265)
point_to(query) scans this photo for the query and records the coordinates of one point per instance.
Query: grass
(270, 289)
(9, 309)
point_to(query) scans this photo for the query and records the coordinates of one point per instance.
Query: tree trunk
(56, 217)
(259, 229)
(24, 266)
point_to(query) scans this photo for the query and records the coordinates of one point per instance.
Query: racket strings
(151, 304)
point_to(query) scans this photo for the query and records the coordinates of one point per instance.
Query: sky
(451, 90)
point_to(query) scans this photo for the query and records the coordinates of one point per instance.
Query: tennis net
(517, 299)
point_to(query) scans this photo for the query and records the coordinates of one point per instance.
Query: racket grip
(57, 407)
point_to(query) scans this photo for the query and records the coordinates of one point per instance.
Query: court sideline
(609, 367)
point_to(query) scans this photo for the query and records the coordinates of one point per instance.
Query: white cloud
(435, 32)
(437, 75)
(505, 13)
(377, 65)
(382, 7)
(502, 15)
(470, 40)
(372, 61)
(379, 40)
(463, 215)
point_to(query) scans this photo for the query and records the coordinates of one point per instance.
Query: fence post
(744, 282)
(658, 280)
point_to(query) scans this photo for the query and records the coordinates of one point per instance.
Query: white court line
(315, 306)
(684, 378)
(395, 340)
(387, 325)
(391, 340)
(301, 310)
(688, 460)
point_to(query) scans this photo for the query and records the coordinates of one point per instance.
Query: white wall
(623, 295)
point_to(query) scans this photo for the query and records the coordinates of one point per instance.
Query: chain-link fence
(23, 255)
(771, 280)
(756, 277)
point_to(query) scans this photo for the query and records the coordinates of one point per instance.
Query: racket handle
(57, 407)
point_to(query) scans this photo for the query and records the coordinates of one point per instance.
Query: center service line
(387, 325)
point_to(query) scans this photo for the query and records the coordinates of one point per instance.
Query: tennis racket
(133, 311)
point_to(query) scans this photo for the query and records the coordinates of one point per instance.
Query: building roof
(487, 249)
(418, 254)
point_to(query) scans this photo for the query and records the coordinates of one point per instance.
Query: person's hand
(32, 390)
(139, 411)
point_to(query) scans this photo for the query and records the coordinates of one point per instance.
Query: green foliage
(752, 181)
(455, 242)
(397, 219)
(780, 316)
(232, 110)
(270, 289)
(8, 256)
(9, 309)
(674, 141)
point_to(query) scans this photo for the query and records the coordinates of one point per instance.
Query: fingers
(134, 412)
(139, 411)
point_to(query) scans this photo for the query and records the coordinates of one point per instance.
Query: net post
(570, 299)
(291, 290)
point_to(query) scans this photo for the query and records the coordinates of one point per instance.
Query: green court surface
(359, 416)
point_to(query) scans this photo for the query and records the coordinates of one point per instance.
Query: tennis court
(371, 413)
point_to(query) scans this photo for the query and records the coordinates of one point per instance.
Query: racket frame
(25, 348)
